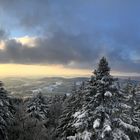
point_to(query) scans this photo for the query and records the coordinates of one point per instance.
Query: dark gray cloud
(3, 34)
(58, 49)
(69, 51)
(74, 33)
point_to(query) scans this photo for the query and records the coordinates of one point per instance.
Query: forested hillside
(100, 109)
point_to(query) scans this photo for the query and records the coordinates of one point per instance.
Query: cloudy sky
(68, 37)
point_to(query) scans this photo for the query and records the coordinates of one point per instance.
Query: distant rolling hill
(26, 87)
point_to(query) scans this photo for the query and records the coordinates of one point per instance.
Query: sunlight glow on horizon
(20, 70)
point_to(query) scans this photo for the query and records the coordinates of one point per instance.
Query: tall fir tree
(6, 113)
(97, 115)
(37, 107)
(137, 106)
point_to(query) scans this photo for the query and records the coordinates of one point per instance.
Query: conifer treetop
(103, 69)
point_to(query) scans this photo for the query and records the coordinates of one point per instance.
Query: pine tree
(37, 107)
(131, 107)
(127, 101)
(6, 113)
(97, 114)
(102, 70)
(128, 86)
(137, 106)
(70, 105)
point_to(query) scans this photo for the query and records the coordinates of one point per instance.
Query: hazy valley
(49, 86)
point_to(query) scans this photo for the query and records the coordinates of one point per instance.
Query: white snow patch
(80, 116)
(76, 114)
(77, 124)
(78, 83)
(49, 88)
(98, 94)
(96, 123)
(68, 94)
(81, 136)
(125, 106)
(36, 91)
(108, 94)
(59, 83)
(107, 128)
(1, 103)
(102, 82)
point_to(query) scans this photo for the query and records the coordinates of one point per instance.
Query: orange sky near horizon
(20, 70)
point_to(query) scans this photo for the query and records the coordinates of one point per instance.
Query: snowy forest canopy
(100, 109)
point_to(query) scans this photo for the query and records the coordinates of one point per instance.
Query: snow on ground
(59, 83)
(48, 88)
(68, 94)
(78, 83)
(36, 91)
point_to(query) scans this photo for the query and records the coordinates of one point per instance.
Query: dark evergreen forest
(100, 109)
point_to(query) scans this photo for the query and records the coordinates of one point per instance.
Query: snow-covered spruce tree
(6, 113)
(55, 110)
(127, 101)
(37, 107)
(130, 101)
(127, 87)
(130, 114)
(98, 117)
(30, 119)
(71, 104)
(136, 111)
